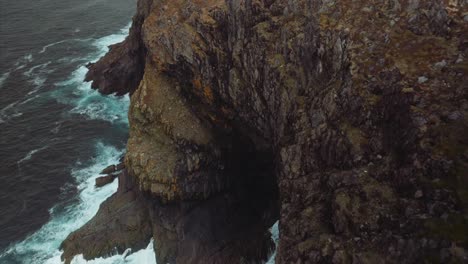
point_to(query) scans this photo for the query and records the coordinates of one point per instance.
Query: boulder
(104, 180)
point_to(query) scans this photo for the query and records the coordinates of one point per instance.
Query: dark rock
(122, 222)
(127, 59)
(328, 110)
(120, 166)
(210, 231)
(109, 169)
(104, 180)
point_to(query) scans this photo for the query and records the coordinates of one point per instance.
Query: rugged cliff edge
(345, 120)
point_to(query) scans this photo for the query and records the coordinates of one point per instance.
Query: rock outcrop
(104, 180)
(120, 71)
(346, 120)
(123, 222)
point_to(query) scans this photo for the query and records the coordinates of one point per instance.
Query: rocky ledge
(345, 120)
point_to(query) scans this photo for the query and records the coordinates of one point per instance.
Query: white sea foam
(30, 72)
(11, 110)
(30, 154)
(46, 47)
(144, 256)
(103, 43)
(28, 58)
(38, 75)
(42, 246)
(88, 102)
(23, 61)
(29, 99)
(3, 78)
(275, 236)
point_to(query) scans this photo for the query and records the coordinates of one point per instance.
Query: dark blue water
(56, 134)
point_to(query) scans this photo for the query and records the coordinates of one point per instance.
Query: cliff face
(345, 120)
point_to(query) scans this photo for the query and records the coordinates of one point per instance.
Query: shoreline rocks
(104, 180)
(111, 172)
(121, 223)
(109, 169)
(113, 168)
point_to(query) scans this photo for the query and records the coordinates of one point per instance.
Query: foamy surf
(103, 43)
(144, 256)
(274, 230)
(90, 103)
(67, 216)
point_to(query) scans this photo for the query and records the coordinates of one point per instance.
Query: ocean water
(57, 134)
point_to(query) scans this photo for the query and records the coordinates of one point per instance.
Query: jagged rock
(104, 180)
(113, 168)
(127, 60)
(108, 170)
(122, 222)
(340, 108)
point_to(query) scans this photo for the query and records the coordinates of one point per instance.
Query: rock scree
(345, 120)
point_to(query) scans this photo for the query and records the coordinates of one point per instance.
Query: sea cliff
(345, 120)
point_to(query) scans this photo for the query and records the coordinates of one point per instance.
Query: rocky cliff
(345, 120)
